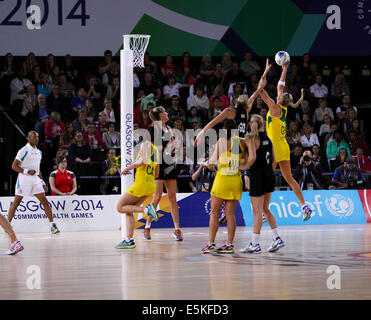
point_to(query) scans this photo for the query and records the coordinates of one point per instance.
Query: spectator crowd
(76, 113)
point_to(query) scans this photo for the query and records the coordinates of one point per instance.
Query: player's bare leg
(287, 175)
(128, 205)
(12, 209)
(171, 187)
(8, 228)
(216, 206)
(16, 245)
(156, 200)
(48, 211)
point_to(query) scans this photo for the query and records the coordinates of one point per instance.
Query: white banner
(74, 213)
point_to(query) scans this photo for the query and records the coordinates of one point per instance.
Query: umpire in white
(29, 181)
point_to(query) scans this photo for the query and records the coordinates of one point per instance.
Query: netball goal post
(131, 56)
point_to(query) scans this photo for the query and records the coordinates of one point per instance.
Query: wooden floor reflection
(85, 265)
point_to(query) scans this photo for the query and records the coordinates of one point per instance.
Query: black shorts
(261, 182)
(167, 172)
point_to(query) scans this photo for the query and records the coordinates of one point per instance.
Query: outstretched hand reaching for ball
(268, 67)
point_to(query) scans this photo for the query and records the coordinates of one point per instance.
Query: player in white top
(29, 181)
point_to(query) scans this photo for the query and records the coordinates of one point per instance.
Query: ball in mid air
(282, 58)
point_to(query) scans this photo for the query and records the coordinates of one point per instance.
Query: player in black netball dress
(167, 169)
(259, 161)
(240, 114)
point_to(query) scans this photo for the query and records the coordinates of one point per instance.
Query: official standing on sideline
(29, 181)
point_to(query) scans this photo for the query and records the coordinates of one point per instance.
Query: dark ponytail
(229, 125)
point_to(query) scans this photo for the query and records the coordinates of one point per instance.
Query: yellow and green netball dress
(228, 183)
(144, 184)
(276, 131)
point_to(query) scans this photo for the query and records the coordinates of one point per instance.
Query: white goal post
(131, 56)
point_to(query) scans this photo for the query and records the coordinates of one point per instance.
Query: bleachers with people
(41, 93)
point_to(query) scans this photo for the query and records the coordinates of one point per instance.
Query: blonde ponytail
(155, 113)
(256, 123)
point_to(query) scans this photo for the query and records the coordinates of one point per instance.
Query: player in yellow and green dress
(227, 187)
(276, 131)
(143, 186)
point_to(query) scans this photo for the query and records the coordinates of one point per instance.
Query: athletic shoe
(54, 229)
(152, 211)
(252, 249)
(264, 218)
(223, 218)
(307, 212)
(210, 247)
(226, 249)
(124, 244)
(15, 247)
(147, 233)
(277, 243)
(177, 234)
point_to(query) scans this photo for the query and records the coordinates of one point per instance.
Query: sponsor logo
(339, 206)
(327, 207)
(207, 207)
(363, 12)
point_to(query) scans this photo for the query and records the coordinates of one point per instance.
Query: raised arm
(250, 102)
(225, 114)
(302, 91)
(274, 108)
(268, 67)
(282, 83)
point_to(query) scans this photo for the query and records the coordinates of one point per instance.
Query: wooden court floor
(85, 265)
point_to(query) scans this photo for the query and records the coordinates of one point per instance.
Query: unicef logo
(340, 206)
(207, 207)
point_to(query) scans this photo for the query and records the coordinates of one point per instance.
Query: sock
(51, 223)
(129, 239)
(148, 225)
(275, 233)
(177, 228)
(229, 244)
(255, 238)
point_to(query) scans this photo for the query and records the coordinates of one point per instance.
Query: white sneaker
(277, 243)
(15, 247)
(252, 249)
(54, 229)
